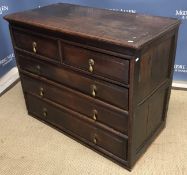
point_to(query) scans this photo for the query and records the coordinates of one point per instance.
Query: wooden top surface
(130, 30)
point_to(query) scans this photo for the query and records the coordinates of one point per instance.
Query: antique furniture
(102, 77)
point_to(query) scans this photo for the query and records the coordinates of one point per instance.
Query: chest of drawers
(101, 77)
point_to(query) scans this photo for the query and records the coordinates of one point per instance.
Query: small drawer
(96, 63)
(74, 125)
(109, 93)
(98, 112)
(36, 44)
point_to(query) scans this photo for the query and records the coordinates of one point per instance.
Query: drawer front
(112, 94)
(96, 63)
(64, 119)
(36, 44)
(98, 112)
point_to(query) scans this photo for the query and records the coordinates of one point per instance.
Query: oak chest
(102, 77)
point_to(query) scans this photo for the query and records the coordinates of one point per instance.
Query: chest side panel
(153, 87)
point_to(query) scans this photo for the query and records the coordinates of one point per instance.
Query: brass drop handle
(34, 45)
(38, 67)
(93, 89)
(41, 92)
(91, 64)
(95, 113)
(95, 140)
(44, 112)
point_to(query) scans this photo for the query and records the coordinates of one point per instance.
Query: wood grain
(101, 77)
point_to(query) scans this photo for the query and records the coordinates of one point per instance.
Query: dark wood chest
(102, 77)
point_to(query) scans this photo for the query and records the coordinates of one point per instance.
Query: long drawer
(109, 93)
(99, 112)
(72, 123)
